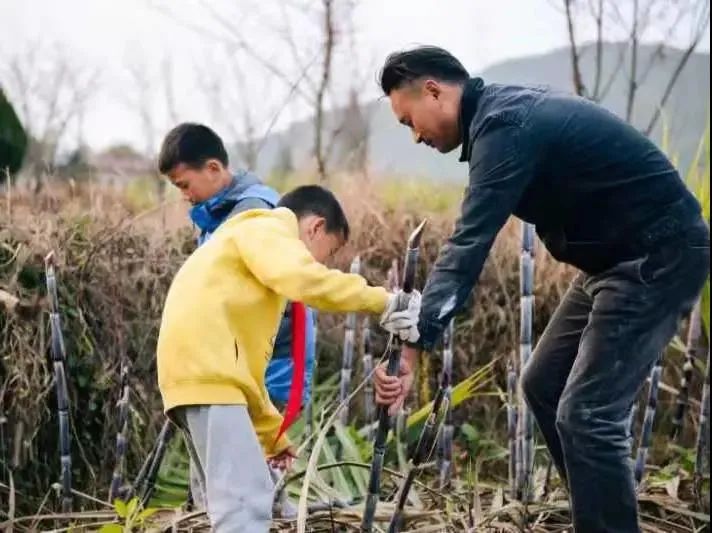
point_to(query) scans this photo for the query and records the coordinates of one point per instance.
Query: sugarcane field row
(84, 444)
(331, 266)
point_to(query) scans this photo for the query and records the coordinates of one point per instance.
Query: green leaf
(120, 508)
(146, 513)
(469, 432)
(173, 478)
(461, 392)
(111, 528)
(132, 506)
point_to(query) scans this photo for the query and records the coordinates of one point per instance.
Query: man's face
(197, 185)
(323, 245)
(430, 112)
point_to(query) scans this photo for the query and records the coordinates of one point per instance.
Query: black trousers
(591, 363)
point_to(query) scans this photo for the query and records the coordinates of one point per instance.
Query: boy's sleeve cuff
(282, 444)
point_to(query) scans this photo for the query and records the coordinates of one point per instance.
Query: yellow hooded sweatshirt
(223, 309)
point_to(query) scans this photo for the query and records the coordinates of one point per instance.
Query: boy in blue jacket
(194, 158)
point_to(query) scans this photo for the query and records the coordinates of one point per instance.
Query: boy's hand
(393, 390)
(401, 315)
(283, 460)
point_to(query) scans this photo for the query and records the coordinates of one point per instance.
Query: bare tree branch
(284, 103)
(169, 92)
(286, 31)
(598, 16)
(701, 28)
(234, 39)
(236, 34)
(248, 148)
(52, 94)
(575, 60)
(622, 49)
(632, 80)
(329, 42)
(658, 52)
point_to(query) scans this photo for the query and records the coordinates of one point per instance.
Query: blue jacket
(247, 192)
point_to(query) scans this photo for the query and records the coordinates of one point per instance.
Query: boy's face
(199, 184)
(322, 244)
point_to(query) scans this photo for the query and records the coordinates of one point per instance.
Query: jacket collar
(471, 93)
(210, 213)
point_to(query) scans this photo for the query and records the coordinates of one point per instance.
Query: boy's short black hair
(316, 200)
(407, 66)
(191, 144)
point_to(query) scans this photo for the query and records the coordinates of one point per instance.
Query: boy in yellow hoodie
(219, 322)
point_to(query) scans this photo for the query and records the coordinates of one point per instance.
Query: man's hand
(283, 460)
(393, 390)
(401, 315)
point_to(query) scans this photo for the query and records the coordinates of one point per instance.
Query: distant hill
(391, 150)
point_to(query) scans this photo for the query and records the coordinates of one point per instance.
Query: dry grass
(115, 265)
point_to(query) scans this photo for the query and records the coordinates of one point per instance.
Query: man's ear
(432, 88)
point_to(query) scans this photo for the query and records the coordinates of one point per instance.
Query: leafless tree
(700, 23)
(312, 35)
(232, 101)
(139, 95)
(630, 21)
(51, 94)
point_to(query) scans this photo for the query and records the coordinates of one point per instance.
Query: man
(604, 199)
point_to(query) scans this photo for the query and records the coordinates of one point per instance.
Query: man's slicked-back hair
(191, 144)
(315, 200)
(407, 66)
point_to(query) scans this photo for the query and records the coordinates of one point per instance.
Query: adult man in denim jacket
(604, 199)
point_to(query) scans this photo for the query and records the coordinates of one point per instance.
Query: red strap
(296, 391)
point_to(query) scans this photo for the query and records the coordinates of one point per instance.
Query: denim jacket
(598, 191)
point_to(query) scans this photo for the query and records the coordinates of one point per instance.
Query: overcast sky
(111, 35)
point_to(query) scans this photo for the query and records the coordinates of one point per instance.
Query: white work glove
(401, 315)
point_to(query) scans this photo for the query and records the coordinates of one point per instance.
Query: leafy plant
(131, 514)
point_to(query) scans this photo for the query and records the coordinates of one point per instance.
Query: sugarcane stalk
(424, 393)
(420, 455)
(401, 436)
(647, 432)
(348, 356)
(309, 408)
(144, 484)
(694, 333)
(122, 434)
(547, 478)
(369, 405)
(703, 431)
(3, 452)
(446, 439)
(633, 418)
(525, 459)
(512, 416)
(379, 445)
(58, 358)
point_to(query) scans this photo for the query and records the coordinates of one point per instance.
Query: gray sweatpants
(228, 466)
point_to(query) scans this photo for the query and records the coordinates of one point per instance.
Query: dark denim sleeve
(500, 170)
